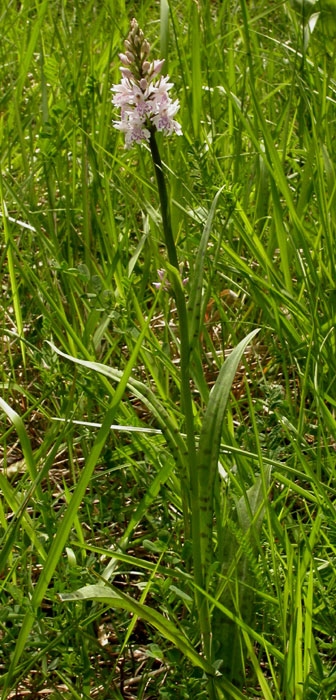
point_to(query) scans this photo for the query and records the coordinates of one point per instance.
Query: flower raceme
(142, 97)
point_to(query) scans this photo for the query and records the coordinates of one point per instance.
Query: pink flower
(124, 93)
(164, 283)
(159, 90)
(133, 128)
(163, 118)
(145, 104)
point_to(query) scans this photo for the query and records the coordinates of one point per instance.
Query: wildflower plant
(146, 107)
(64, 202)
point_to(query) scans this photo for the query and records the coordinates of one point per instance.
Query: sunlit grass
(82, 504)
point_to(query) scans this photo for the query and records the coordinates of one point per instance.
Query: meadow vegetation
(168, 486)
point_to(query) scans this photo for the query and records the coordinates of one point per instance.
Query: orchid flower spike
(143, 97)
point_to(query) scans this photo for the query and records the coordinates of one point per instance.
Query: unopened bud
(124, 59)
(143, 84)
(145, 66)
(146, 47)
(156, 67)
(126, 73)
(130, 56)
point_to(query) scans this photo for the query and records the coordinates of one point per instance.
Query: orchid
(143, 98)
(164, 283)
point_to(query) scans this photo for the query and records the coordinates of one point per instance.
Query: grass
(106, 588)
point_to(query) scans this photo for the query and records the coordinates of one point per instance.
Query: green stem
(185, 395)
(164, 202)
(180, 305)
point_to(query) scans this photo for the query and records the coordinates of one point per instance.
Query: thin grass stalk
(12, 275)
(164, 30)
(196, 70)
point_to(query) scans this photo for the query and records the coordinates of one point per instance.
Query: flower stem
(186, 398)
(164, 202)
(180, 305)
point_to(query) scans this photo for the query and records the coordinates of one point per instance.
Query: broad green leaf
(116, 599)
(239, 595)
(210, 439)
(250, 504)
(235, 617)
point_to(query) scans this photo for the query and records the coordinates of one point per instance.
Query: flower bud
(126, 73)
(130, 56)
(156, 67)
(143, 84)
(124, 59)
(145, 66)
(146, 47)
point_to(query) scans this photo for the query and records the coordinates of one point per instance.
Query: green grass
(107, 589)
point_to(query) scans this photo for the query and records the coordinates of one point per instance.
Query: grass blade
(195, 297)
(114, 598)
(196, 70)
